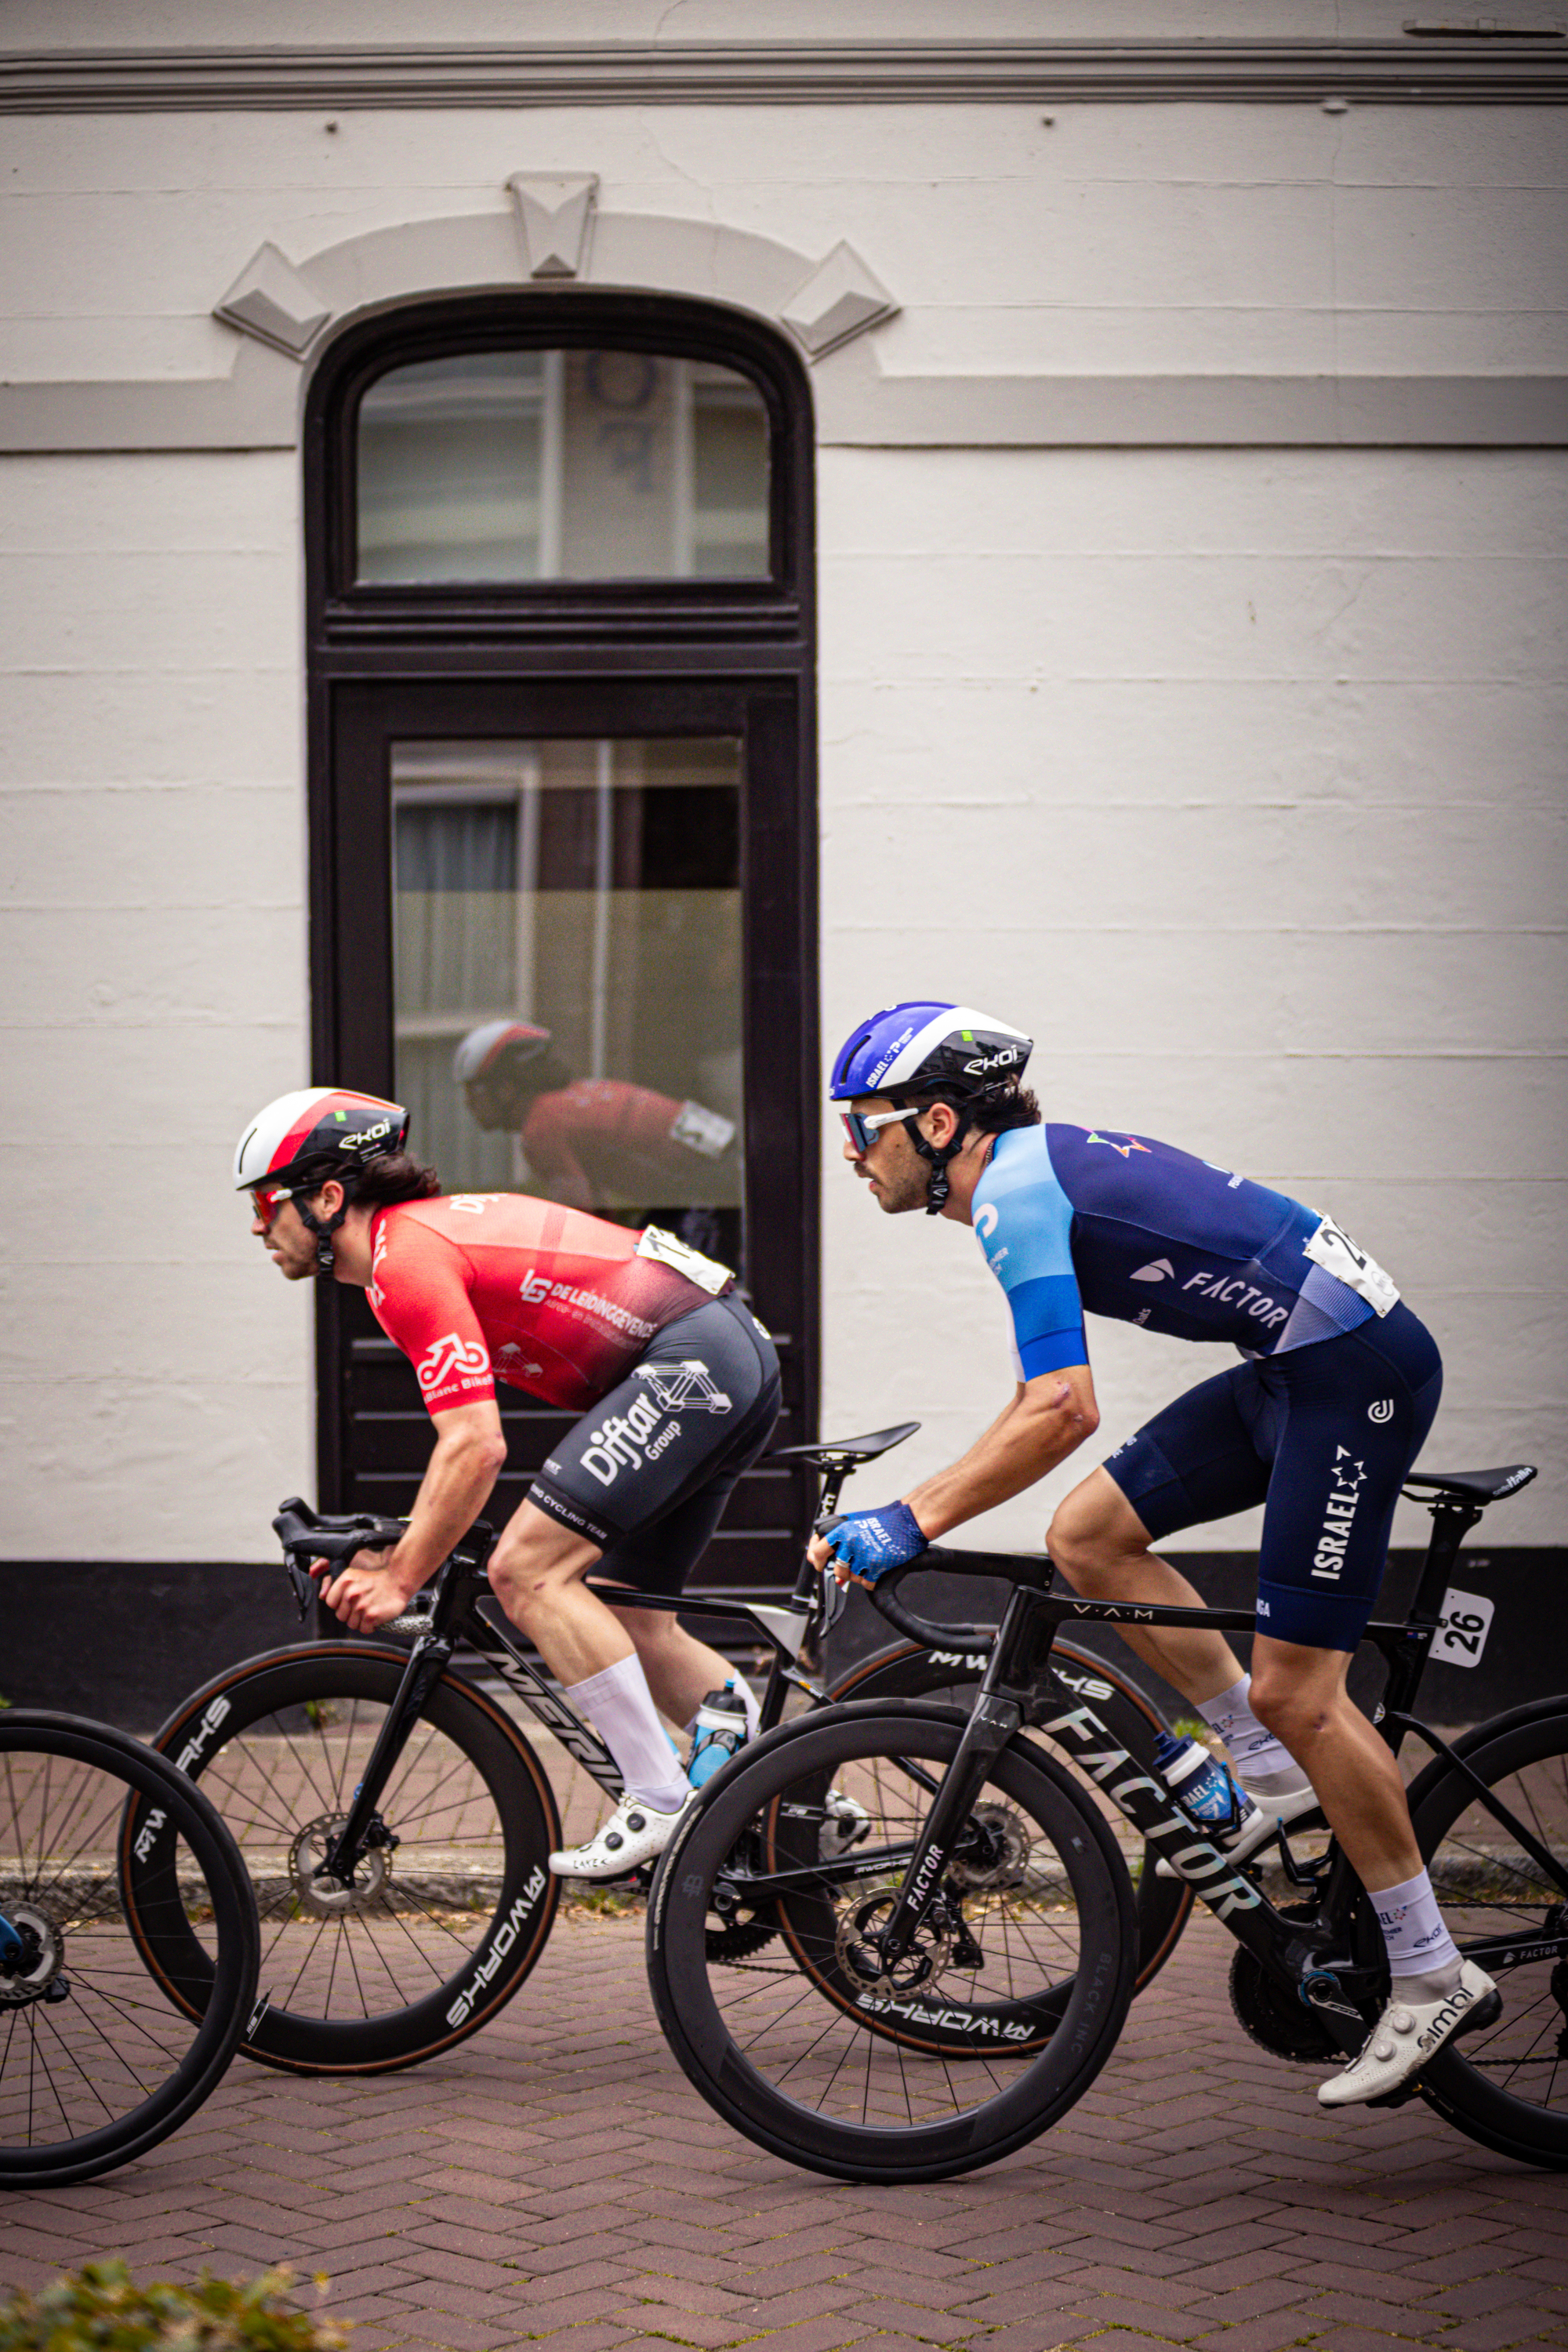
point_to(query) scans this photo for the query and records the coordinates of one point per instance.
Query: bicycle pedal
(1409, 2089)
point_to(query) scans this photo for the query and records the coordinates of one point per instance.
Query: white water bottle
(1203, 1784)
(718, 1730)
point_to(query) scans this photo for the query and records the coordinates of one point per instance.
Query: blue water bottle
(1204, 1786)
(718, 1731)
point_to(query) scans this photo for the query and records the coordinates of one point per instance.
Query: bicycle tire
(1505, 2085)
(461, 1903)
(905, 1670)
(1060, 1918)
(99, 2062)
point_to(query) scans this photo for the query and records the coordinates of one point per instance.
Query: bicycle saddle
(842, 1454)
(1475, 1486)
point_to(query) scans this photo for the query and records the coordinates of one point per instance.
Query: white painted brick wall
(1236, 779)
(1239, 775)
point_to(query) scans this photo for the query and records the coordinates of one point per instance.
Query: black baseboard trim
(126, 1641)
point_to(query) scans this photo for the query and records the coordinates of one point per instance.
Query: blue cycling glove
(869, 1543)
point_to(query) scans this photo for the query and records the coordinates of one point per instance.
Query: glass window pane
(575, 465)
(577, 904)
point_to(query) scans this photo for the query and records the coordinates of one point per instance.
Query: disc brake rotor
(999, 1855)
(861, 1962)
(324, 1898)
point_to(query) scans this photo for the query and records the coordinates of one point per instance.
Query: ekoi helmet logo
(451, 1358)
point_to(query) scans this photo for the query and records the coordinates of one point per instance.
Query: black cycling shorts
(1322, 1437)
(646, 1473)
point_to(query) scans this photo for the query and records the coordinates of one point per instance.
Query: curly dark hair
(381, 1183)
(1011, 1106)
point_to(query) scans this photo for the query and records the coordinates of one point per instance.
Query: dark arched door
(562, 780)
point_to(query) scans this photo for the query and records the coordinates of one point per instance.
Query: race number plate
(1467, 1621)
(670, 1250)
(1336, 1253)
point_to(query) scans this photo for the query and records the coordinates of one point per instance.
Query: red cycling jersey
(481, 1286)
(603, 1136)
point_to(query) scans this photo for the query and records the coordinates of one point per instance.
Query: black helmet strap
(938, 1156)
(326, 1257)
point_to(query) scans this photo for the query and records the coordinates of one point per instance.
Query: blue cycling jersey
(1073, 1218)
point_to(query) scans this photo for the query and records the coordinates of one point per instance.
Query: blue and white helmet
(922, 1049)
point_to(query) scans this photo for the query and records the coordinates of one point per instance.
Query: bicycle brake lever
(831, 1602)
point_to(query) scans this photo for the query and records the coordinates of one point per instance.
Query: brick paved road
(556, 2180)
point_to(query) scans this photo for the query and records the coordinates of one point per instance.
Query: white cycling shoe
(1408, 2035)
(635, 1833)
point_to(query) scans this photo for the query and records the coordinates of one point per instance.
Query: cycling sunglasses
(861, 1125)
(267, 1199)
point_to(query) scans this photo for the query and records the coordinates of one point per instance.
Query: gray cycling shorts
(646, 1473)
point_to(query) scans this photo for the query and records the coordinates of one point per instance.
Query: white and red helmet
(484, 1049)
(319, 1132)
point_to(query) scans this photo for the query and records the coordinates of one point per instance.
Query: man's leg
(1102, 1546)
(681, 1669)
(1300, 1694)
(536, 1573)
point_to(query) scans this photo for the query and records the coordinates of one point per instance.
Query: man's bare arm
(468, 1458)
(1048, 1417)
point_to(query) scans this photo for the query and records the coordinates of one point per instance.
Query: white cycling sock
(1419, 1946)
(1256, 1752)
(620, 1706)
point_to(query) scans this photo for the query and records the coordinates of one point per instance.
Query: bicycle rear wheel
(1505, 2085)
(1025, 1960)
(1134, 1722)
(98, 2060)
(449, 1909)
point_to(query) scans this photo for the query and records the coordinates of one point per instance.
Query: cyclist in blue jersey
(1319, 1423)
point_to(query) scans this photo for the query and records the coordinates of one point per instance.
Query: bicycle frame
(458, 1613)
(1015, 1690)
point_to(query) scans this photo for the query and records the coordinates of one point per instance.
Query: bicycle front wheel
(451, 1904)
(1026, 1958)
(1507, 2084)
(98, 2060)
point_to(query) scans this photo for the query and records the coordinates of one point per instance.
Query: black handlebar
(930, 1636)
(299, 1529)
(1011, 1568)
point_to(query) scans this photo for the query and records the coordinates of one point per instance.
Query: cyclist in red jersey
(676, 1383)
(586, 1140)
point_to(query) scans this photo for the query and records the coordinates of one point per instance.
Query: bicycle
(986, 1870)
(396, 1818)
(116, 2021)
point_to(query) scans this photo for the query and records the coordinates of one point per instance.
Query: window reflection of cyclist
(1320, 1424)
(675, 1384)
(587, 1141)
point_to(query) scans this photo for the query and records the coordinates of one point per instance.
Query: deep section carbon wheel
(100, 2059)
(452, 1902)
(1025, 1961)
(1506, 2084)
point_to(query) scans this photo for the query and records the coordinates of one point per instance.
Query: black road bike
(988, 1882)
(395, 1814)
(117, 2018)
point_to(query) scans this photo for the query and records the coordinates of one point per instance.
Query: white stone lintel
(840, 300)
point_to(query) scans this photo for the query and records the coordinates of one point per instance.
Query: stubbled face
(893, 1168)
(286, 1240)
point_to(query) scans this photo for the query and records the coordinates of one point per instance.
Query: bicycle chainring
(1274, 2016)
(739, 1940)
